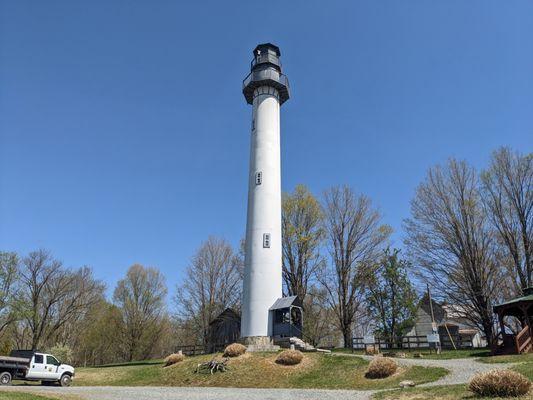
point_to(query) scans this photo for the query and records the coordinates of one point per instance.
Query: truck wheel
(5, 379)
(65, 380)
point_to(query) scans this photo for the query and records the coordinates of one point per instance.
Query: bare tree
(320, 324)
(355, 238)
(302, 237)
(8, 301)
(212, 283)
(450, 242)
(508, 197)
(54, 296)
(141, 298)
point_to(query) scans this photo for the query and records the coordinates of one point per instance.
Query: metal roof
(517, 300)
(286, 302)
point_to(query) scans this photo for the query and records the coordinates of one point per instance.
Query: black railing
(266, 74)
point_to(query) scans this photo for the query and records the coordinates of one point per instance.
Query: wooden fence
(413, 343)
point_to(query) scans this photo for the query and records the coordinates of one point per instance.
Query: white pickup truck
(31, 365)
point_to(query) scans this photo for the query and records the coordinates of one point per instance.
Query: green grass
(512, 358)
(348, 373)
(451, 392)
(524, 362)
(525, 369)
(28, 396)
(256, 370)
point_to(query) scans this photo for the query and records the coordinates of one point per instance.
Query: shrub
(381, 367)
(174, 359)
(499, 383)
(290, 357)
(63, 353)
(371, 350)
(234, 350)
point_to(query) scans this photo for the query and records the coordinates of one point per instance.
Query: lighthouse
(266, 89)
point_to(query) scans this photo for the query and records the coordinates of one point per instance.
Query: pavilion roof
(527, 299)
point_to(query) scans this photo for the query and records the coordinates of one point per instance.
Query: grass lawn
(451, 392)
(524, 362)
(512, 358)
(255, 370)
(30, 396)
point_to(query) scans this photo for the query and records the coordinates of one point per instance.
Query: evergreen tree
(391, 298)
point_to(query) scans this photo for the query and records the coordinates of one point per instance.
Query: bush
(174, 359)
(290, 357)
(381, 367)
(234, 350)
(63, 353)
(499, 383)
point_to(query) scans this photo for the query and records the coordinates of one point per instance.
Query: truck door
(52, 367)
(37, 368)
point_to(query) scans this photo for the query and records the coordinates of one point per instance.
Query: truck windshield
(51, 360)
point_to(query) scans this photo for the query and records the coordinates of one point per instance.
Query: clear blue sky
(124, 135)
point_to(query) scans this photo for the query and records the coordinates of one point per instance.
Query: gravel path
(461, 370)
(179, 393)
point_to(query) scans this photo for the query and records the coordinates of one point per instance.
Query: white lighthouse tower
(266, 89)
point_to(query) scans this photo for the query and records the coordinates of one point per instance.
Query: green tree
(302, 234)
(390, 296)
(8, 301)
(140, 297)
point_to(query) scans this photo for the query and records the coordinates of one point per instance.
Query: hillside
(255, 370)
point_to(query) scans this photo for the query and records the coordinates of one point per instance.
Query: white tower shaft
(266, 89)
(263, 275)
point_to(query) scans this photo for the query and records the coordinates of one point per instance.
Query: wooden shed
(224, 329)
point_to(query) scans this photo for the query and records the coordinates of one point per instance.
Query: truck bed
(14, 360)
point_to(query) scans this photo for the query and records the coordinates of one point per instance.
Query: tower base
(259, 344)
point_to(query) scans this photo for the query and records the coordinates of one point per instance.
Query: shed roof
(227, 314)
(286, 302)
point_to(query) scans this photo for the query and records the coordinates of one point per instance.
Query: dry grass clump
(371, 350)
(174, 359)
(381, 367)
(290, 357)
(499, 383)
(234, 350)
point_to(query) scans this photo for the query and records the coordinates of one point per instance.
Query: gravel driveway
(461, 370)
(180, 393)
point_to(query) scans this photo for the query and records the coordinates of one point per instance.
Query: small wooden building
(224, 329)
(522, 309)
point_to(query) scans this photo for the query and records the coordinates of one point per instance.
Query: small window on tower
(258, 178)
(253, 124)
(266, 240)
